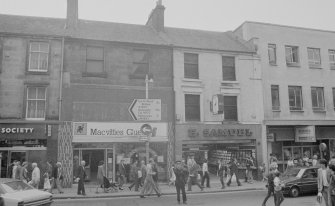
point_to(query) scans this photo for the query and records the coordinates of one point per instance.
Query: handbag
(47, 185)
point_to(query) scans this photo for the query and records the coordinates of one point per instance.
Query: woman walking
(100, 176)
(149, 183)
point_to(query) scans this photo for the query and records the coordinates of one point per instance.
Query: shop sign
(271, 137)
(87, 130)
(305, 134)
(19, 130)
(217, 132)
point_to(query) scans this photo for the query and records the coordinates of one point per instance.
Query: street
(249, 198)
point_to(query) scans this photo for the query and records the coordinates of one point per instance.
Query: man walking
(222, 172)
(270, 185)
(81, 178)
(193, 169)
(35, 176)
(234, 171)
(205, 174)
(57, 178)
(181, 177)
(122, 174)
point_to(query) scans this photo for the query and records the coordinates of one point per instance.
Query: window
(314, 58)
(272, 54)
(318, 101)
(36, 103)
(292, 55)
(140, 64)
(334, 98)
(1, 53)
(228, 68)
(191, 66)
(275, 97)
(230, 108)
(295, 97)
(38, 56)
(331, 58)
(94, 59)
(192, 107)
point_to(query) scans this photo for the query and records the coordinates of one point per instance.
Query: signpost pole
(147, 146)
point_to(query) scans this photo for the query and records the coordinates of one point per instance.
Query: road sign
(146, 129)
(145, 109)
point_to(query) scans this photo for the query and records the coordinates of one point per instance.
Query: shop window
(230, 108)
(272, 54)
(314, 58)
(38, 56)
(36, 103)
(275, 97)
(191, 66)
(292, 55)
(192, 107)
(1, 53)
(295, 98)
(228, 68)
(334, 97)
(140, 64)
(94, 61)
(318, 102)
(331, 58)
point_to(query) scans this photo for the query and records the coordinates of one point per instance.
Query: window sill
(36, 119)
(277, 110)
(314, 66)
(37, 73)
(293, 64)
(299, 111)
(191, 80)
(91, 74)
(319, 111)
(273, 64)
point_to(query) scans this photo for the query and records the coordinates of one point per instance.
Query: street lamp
(147, 81)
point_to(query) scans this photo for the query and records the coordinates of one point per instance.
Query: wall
(14, 77)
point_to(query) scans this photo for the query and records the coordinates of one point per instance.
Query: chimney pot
(72, 14)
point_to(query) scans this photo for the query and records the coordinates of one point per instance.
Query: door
(309, 180)
(92, 159)
(4, 164)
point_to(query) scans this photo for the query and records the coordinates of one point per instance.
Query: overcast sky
(214, 15)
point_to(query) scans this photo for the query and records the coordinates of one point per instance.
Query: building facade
(30, 65)
(298, 71)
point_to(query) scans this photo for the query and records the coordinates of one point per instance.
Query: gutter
(60, 99)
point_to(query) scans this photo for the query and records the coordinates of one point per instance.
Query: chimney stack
(72, 14)
(156, 18)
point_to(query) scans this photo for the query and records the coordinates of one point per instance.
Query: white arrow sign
(146, 109)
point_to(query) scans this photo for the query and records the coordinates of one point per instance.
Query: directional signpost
(146, 109)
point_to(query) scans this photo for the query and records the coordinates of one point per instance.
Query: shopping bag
(47, 185)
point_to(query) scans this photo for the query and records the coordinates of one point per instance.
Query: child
(278, 190)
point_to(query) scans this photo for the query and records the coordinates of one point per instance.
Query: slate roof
(120, 32)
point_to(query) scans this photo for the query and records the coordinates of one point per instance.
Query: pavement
(166, 189)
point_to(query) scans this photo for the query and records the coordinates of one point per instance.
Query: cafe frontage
(219, 141)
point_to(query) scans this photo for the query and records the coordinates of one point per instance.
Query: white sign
(118, 131)
(146, 109)
(305, 134)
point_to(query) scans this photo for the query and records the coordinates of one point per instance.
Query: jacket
(222, 170)
(181, 176)
(81, 173)
(320, 179)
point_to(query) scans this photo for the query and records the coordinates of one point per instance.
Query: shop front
(112, 142)
(22, 142)
(300, 143)
(215, 142)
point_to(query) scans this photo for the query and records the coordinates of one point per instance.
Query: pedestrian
(35, 176)
(249, 165)
(13, 170)
(81, 178)
(193, 171)
(234, 171)
(181, 175)
(172, 180)
(270, 185)
(262, 169)
(143, 173)
(24, 172)
(205, 174)
(18, 171)
(134, 175)
(122, 174)
(222, 172)
(100, 176)
(57, 178)
(279, 197)
(315, 161)
(155, 170)
(323, 181)
(332, 184)
(149, 184)
(48, 176)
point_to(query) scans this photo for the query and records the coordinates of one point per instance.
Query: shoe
(78, 193)
(120, 188)
(228, 185)
(61, 192)
(158, 195)
(239, 185)
(185, 203)
(223, 187)
(142, 196)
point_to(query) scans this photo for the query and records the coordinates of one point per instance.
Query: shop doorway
(92, 159)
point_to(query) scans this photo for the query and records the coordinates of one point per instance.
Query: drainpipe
(60, 99)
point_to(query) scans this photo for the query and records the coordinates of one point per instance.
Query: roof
(224, 41)
(120, 32)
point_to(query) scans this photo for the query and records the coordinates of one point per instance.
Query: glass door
(110, 164)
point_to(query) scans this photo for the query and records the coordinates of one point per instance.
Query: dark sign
(217, 132)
